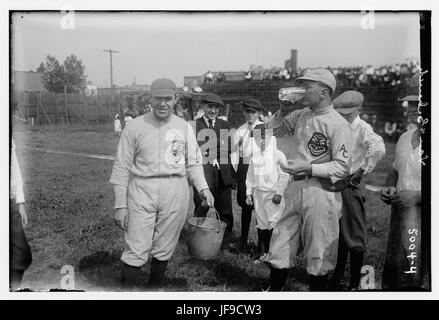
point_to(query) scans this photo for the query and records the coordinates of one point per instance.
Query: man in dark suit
(213, 137)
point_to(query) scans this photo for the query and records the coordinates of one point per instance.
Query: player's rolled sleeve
(194, 161)
(283, 126)
(375, 150)
(120, 174)
(338, 168)
(250, 180)
(283, 177)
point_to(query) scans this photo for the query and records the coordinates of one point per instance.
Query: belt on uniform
(299, 177)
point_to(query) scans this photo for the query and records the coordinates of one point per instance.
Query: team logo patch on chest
(318, 144)
(177, 150)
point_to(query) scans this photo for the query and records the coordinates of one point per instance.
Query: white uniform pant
(311, 217)
(157, 210)
(267, 212)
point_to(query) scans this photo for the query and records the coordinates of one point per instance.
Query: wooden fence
(50, 108)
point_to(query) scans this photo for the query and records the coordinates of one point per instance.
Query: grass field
(69, 202)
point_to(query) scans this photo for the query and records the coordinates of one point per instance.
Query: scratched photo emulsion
(219, 152)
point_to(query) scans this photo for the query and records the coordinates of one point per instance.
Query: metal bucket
(205, 236)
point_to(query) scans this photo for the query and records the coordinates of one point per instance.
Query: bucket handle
(212, 209)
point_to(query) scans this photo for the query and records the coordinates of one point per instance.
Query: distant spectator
(390, 131)
(197, 89)
(284, 75)
(117, 125)
(364, 117)
(209, 77)
(248, 76)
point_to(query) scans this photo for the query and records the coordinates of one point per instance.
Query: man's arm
(375, 150)
(338, 168)
(120, 174)
(283, 177)
(194, 161)
(283, 122)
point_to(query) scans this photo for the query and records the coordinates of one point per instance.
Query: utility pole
(111, 65)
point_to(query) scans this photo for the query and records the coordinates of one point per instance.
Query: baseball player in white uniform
(265, 185)
(368, 150)
(321, 149)
(155, 153)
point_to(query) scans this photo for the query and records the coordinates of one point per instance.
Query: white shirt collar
(356, 122)
(206, 120)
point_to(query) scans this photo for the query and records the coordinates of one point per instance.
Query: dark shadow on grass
(100, 270)
(235, 277)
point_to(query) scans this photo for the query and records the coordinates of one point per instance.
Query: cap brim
(162, 93)
(302, 78)
(213, 103)
(346, 110)
(409, 98)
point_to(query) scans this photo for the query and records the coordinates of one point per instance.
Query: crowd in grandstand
(394, 75)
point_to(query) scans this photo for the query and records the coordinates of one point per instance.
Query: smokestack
(293, 61)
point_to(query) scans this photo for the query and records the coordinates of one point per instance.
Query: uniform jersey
(368, 148)
(322, 138)
(152, 148)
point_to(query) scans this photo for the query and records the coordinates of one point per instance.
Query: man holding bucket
(154, 154)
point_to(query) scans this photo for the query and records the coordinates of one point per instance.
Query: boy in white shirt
(265, 184)
(117, 125)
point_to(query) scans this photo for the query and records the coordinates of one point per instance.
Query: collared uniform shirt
(408, 163)
(243, 139)
(322, 138)
(16, 179)
(152, 148)
(369, 147)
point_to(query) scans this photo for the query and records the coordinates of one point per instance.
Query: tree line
(69, 76)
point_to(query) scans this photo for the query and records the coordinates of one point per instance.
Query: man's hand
(387, 194)
(249, 200)
(297, 168)
(121, 216)
(22, 211)
(207, 195)
(277, 198)
(406, 199)
(286, 108)
(333, 187)
(356, 178)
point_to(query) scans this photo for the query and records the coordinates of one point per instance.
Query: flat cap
(251, 103)
(163, 88)
(348, 101)
(211, 98)
(413, 91)
(320, 75)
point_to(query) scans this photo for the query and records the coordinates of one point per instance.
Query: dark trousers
(246, 213)
(223, 201)
(407, 260)
(353, 235)
(20, 256)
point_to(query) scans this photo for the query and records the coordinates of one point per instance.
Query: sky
(174, 45)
